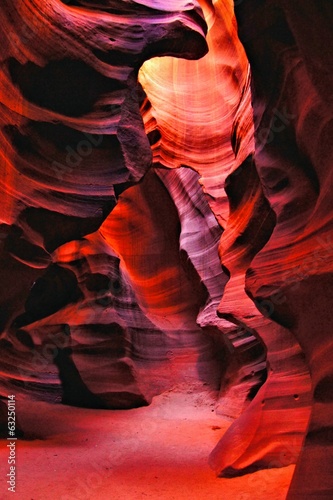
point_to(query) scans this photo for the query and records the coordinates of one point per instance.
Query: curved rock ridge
(199, 240)
(270, 431)
(217, 143)
(200, 233)
(214, 140)
(113, 317)
(49, 105)
(291, 61)
(72, 139)
(144, 228)
(80, 352)
(213, 94)
(95, 332)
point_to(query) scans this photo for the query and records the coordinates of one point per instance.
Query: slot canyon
(166, 249)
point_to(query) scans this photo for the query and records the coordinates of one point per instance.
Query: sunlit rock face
(217, 142)
(277, 245)
(213, 94)
(214, 140)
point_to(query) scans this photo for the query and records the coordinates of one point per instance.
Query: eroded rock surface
(173, 229)
(72, 140)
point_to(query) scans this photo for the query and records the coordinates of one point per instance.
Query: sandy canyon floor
(158, 452)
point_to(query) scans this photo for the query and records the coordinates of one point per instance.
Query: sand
(158, 452)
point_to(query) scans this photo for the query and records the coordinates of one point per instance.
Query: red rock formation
(72, 140)
(266, 242)
(291, 64)
(248, 228)
(221, 120)
(270, 432)
(111, 250)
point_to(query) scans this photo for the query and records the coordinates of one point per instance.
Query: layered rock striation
(72, 140)
(176, 229)
(290, 56)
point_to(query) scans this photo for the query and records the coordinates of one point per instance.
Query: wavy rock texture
(262, 437)
(145, 228)
(118, 211)
(270, 431)
(222, 120)
(204, 142)
(72, 139)
(291, 58)
(271, 237)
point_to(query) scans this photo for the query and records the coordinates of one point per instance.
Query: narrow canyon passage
(166, 249)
